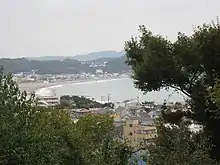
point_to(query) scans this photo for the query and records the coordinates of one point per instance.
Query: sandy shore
(32, 87)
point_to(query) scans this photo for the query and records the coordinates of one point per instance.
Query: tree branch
(194, 78)
(180, 89)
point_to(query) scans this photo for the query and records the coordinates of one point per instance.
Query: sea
(114, 90)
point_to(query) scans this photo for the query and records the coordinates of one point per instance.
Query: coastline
(119, 93)
(32, 87)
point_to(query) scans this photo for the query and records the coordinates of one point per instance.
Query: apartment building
(47, 101)
(139, 131)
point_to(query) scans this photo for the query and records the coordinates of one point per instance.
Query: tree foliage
(67, 101)
(117, 65)
(66, 66)
(96, 134)
(191, 64)
(177, 145)
(30, 135)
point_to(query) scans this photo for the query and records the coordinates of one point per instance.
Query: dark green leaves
(31, 135)
(191, 65)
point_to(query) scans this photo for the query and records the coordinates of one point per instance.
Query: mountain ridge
(83, 57)
(67, 66)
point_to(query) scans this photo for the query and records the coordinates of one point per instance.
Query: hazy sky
(70, 27)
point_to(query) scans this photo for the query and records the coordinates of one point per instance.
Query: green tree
(189, 65)
(96, 135)
(67, 101)
(177, 145)
(30, 135)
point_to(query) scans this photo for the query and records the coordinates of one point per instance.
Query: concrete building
(139, 131)
(47, 101)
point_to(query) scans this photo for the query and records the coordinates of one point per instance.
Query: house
(100, 111)
(122, 112)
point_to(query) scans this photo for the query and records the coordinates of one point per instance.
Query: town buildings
(138, 127)
(33, 77)
(134, 123)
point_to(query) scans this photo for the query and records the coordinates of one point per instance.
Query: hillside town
(134, 121)
(34, 77)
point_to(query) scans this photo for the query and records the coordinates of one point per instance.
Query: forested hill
(68, 66)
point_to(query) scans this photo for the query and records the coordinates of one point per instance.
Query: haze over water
(119, 90)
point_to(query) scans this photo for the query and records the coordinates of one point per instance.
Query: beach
(31, 87)
(119, 89)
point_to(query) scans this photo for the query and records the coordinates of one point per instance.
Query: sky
(30, 28)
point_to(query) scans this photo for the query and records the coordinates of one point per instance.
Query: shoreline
(32, 87)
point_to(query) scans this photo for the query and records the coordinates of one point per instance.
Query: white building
(47, 101)
(99, 71)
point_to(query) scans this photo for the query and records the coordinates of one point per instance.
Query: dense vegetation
(44, 67)
(179, 144)
(30, 135)
(191, 65)
(67, 101)
(67, 66)
(116, 65)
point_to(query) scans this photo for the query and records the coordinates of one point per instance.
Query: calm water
(118, 89)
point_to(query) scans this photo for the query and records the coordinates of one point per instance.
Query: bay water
(116, 90)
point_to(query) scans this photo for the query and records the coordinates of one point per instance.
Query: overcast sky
(71, 27)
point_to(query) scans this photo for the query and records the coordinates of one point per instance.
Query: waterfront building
(47, 101)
